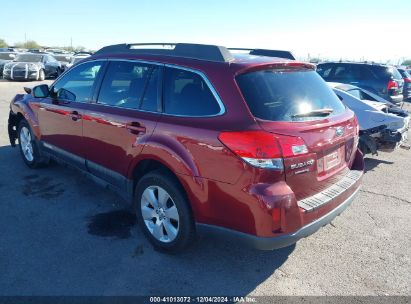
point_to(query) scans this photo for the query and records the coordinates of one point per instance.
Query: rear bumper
(270, 243)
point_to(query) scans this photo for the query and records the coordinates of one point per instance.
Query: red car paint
(223, 190)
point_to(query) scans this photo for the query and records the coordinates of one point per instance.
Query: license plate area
(333, 159)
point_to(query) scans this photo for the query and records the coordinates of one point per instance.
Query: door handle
(135, 128)
(75, 115)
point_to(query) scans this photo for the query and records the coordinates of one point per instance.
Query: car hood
(369, 114)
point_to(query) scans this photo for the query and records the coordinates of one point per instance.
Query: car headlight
(33, 66)
(7, 66)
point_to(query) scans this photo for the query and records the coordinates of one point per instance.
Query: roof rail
(185, 50)
(267, 53)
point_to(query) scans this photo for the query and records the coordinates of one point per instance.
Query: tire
(42, 75)
(170, 227)
(28, 146)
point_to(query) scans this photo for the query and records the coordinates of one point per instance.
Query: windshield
(29, 58)
(65, 58)
(6, 56)
(288, 95)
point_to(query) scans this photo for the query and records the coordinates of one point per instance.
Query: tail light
(407, 80)
(392, 84)
(262, 149)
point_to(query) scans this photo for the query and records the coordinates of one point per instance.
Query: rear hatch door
(297, 102)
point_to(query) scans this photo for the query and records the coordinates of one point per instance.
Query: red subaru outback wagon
(196, 137)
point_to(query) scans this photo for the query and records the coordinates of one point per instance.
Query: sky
(377, 30)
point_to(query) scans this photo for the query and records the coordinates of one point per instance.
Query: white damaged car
(383, 125)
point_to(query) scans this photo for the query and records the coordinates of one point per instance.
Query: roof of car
(359, 63)
(207, 56)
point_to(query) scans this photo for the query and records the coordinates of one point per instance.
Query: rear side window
(131, 85)
(324, 70)
(186, 93)
(279, 95)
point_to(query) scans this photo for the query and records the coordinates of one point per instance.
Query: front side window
(288, 95)
(78, 83)
(130, 85)
(187, 94)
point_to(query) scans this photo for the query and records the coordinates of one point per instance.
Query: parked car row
(375, 93)
(30, 66)
(36, 64)
(383, 125)
(383, 80)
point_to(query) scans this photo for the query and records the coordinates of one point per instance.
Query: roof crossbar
(185, 50)
(267, 53)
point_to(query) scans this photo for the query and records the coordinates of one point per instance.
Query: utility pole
(25, 40)
(71, 43)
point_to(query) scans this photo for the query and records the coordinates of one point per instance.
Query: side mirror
(41, 91)
(27, 90)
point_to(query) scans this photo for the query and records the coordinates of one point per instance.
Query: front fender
(21, 105)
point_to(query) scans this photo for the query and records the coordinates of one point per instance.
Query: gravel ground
(63, 235)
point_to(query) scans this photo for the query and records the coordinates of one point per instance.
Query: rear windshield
(286, 95)
(383, 72)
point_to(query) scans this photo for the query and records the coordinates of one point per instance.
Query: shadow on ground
(372, 163)
(63, 235)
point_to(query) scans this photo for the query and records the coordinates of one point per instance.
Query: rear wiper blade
(314, 113)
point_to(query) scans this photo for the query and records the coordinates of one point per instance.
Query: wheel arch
(20, 109)
(150, 164)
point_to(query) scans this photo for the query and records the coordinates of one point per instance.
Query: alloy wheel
(26, 144)
(160, 214)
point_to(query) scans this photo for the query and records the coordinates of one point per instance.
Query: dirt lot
(60, 236)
